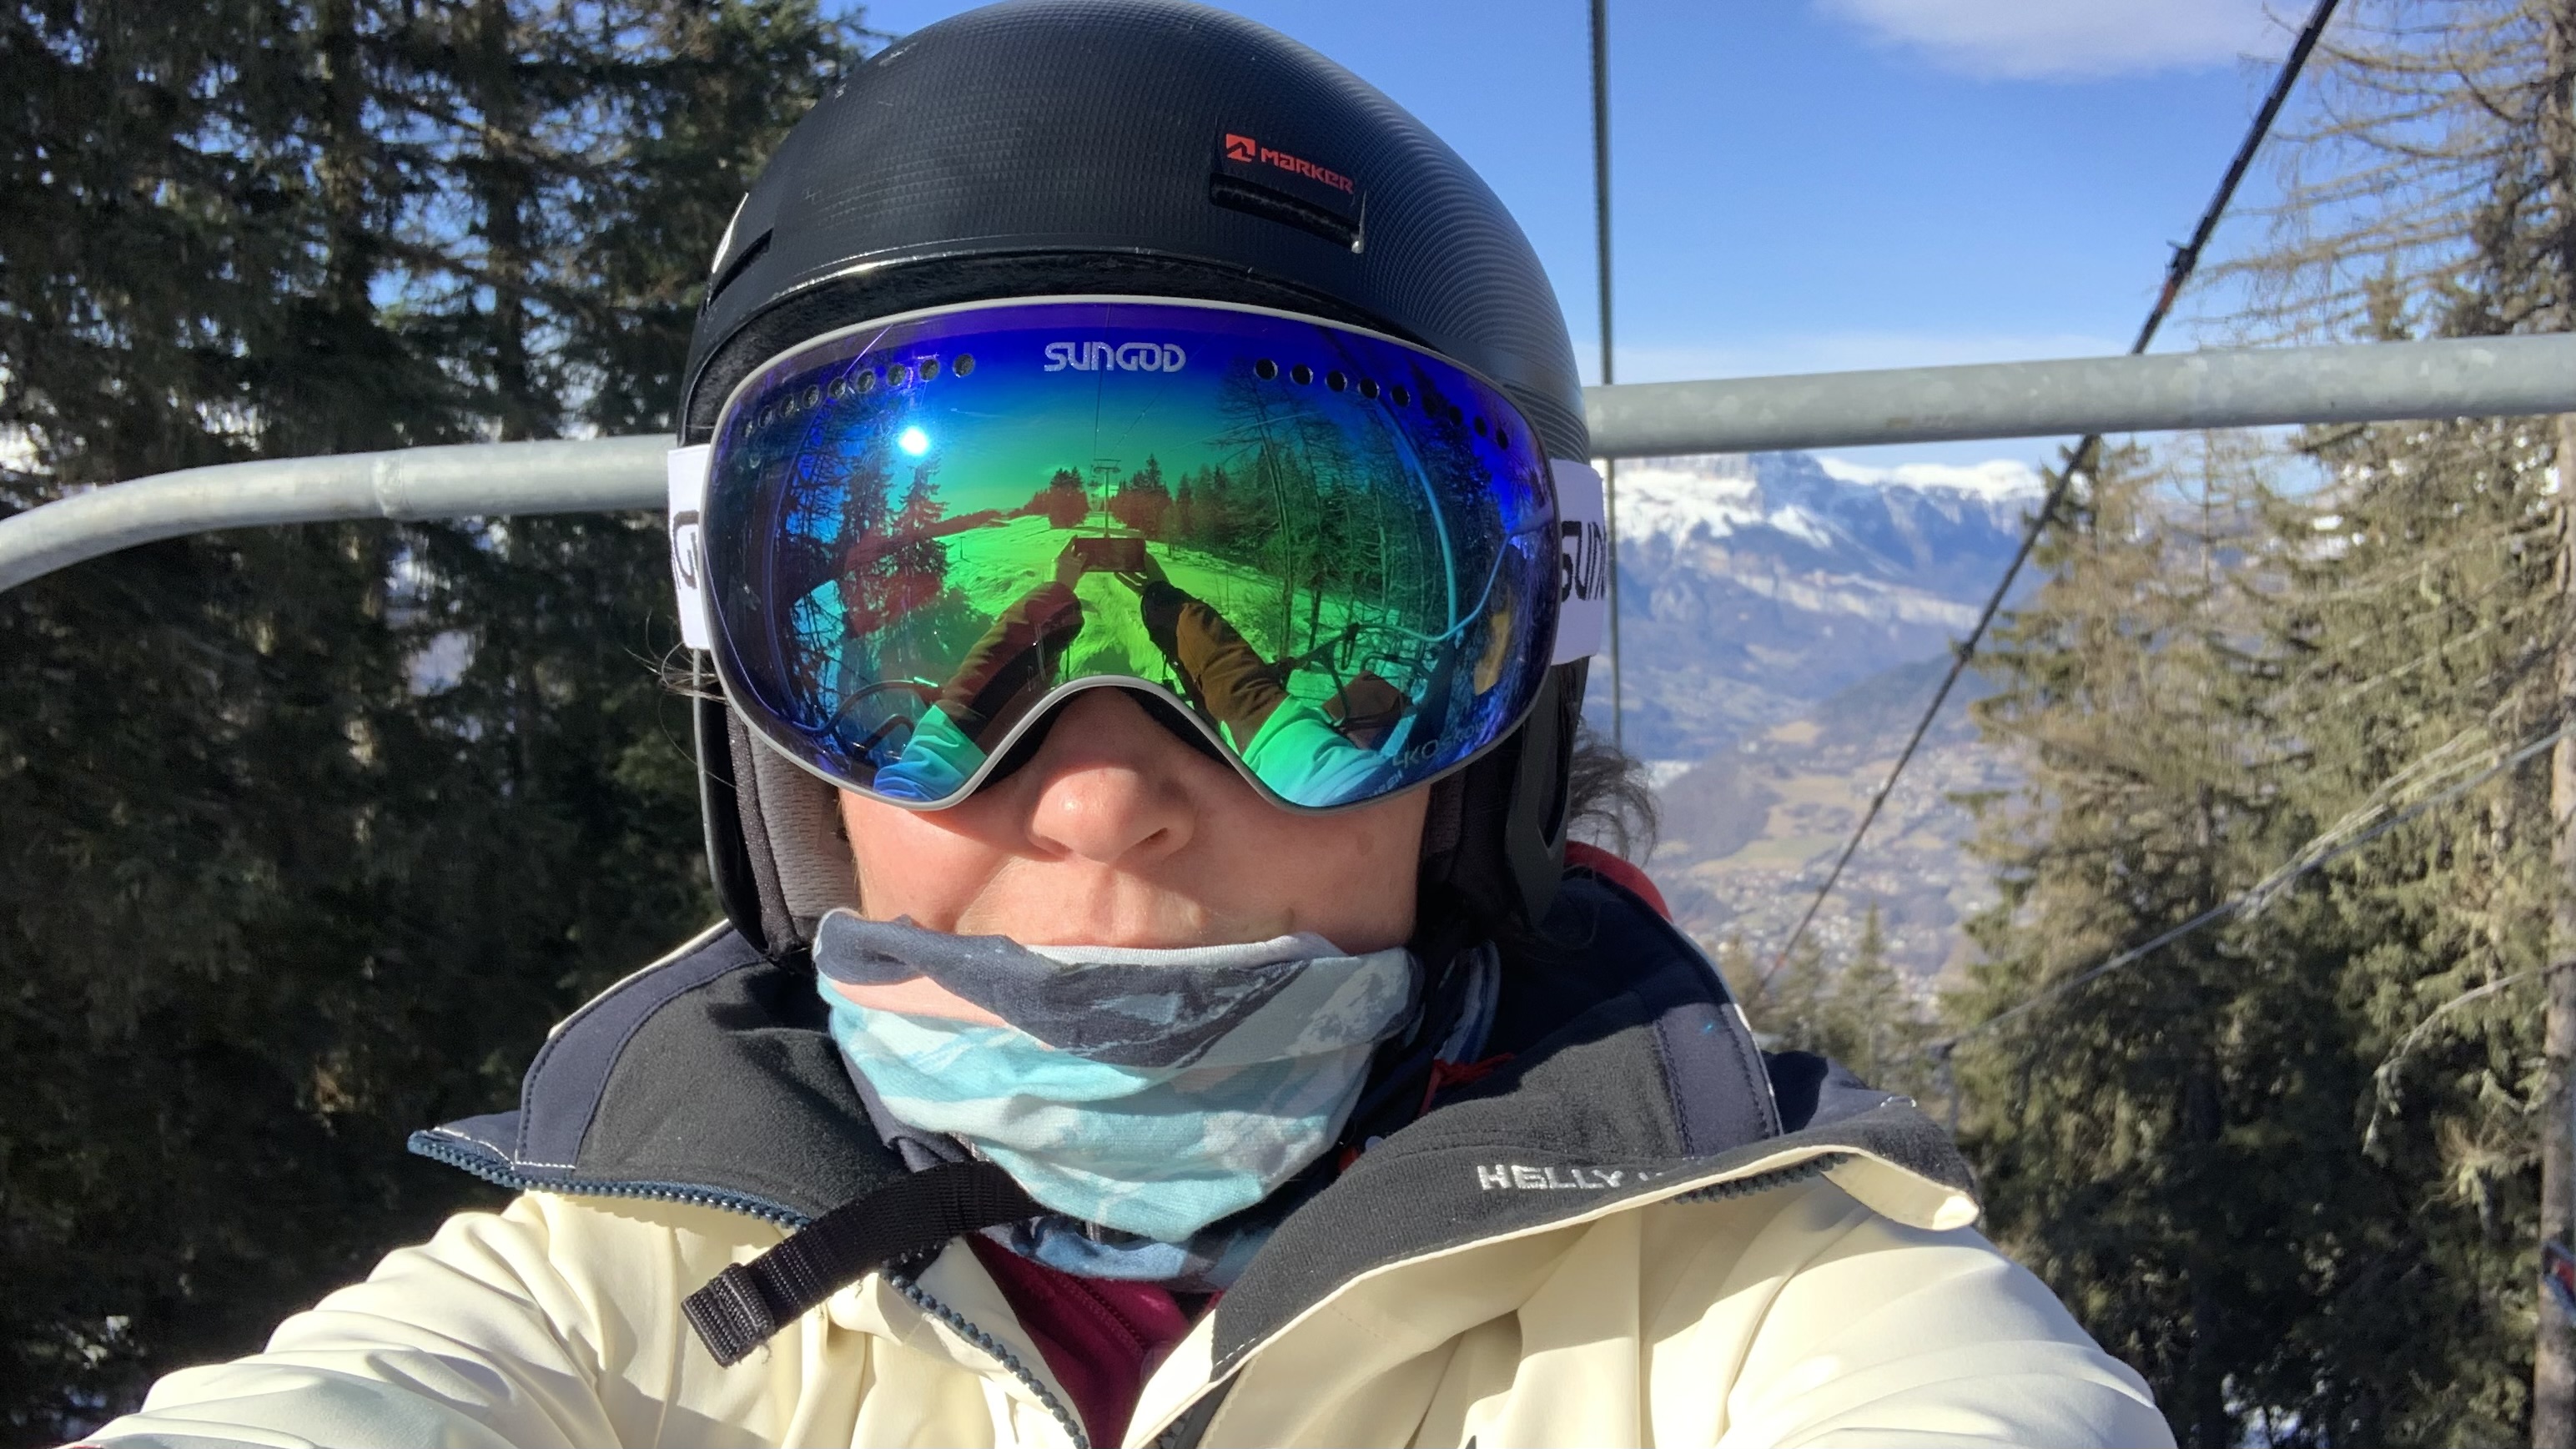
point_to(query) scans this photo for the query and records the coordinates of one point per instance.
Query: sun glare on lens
(913, 441)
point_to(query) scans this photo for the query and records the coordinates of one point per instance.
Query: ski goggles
(1347, 561)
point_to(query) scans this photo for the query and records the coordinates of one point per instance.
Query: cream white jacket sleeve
(1791, 1317)
(1880, 1334)
(476, 1339)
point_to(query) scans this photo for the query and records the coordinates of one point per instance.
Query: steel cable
(2178, 271)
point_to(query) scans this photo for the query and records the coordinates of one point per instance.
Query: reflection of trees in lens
(889, 577)
(1264, 539)
(1144, 502)
(857, 571)
(889, 572)
(1299, 456)
(1344, 504)
(1063, 501)
(853, 465)
(834, 484)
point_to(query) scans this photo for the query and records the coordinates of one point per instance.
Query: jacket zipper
(1816, 1166)
(466, 1160)
(920, 1298)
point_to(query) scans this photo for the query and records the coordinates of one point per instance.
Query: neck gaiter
(1149, 1091)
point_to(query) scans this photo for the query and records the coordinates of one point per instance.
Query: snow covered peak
(1926, 525)
(1747, 581)
(1677, 498)
(1998, 479)
(1821, 503)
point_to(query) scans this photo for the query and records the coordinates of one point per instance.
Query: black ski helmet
(1060, 147)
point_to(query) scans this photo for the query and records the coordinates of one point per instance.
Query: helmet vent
(1237, 194)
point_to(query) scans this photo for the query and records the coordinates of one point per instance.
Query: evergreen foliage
(311, 833)
(1858, 1012)
(2291, 1167)
(2144, 1142)
(2285, 1166)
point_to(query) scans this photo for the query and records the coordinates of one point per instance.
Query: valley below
(1784, 619)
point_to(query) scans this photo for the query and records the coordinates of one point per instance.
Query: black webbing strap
(917, 1213)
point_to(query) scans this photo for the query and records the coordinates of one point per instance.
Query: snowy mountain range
(1784, 617)
(1752, 588)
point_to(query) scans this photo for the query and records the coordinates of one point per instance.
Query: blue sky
(1809, 185)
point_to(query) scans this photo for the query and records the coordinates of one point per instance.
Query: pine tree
(1873, 1023)
(2127, 1131)
(1737, 968)
(2436, 195)
(1791, 1002)
(313, 831)
(2292, 1166)
(1858, 1013)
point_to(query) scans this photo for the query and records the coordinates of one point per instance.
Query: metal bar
(2474, 377)
(1609, 374)
(2470, 377)
(457, 481)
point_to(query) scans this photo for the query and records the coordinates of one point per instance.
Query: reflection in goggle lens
(1334, 549)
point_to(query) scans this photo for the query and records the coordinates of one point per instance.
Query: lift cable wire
(2080, 460)
(1601, 254)
(2309, 859)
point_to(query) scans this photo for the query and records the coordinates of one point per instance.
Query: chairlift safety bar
(2370, 382)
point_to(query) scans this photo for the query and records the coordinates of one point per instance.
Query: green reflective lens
(1334, 550)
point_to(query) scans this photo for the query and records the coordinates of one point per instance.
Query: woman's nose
(1111, 784)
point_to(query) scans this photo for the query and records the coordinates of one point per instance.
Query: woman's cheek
(910, 864)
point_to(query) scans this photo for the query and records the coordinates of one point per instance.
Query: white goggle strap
(688, 474)
(1582, 561)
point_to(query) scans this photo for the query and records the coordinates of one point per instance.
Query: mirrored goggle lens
(1336, 550)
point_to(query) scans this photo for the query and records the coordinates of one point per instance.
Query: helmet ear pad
(783, 864)
(760, 917)
(1493, 847)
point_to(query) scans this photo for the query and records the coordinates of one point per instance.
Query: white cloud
(2070, 39)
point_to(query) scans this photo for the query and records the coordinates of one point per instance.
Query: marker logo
(1244, 149)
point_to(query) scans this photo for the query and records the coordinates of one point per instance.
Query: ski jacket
(1638, 1231)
